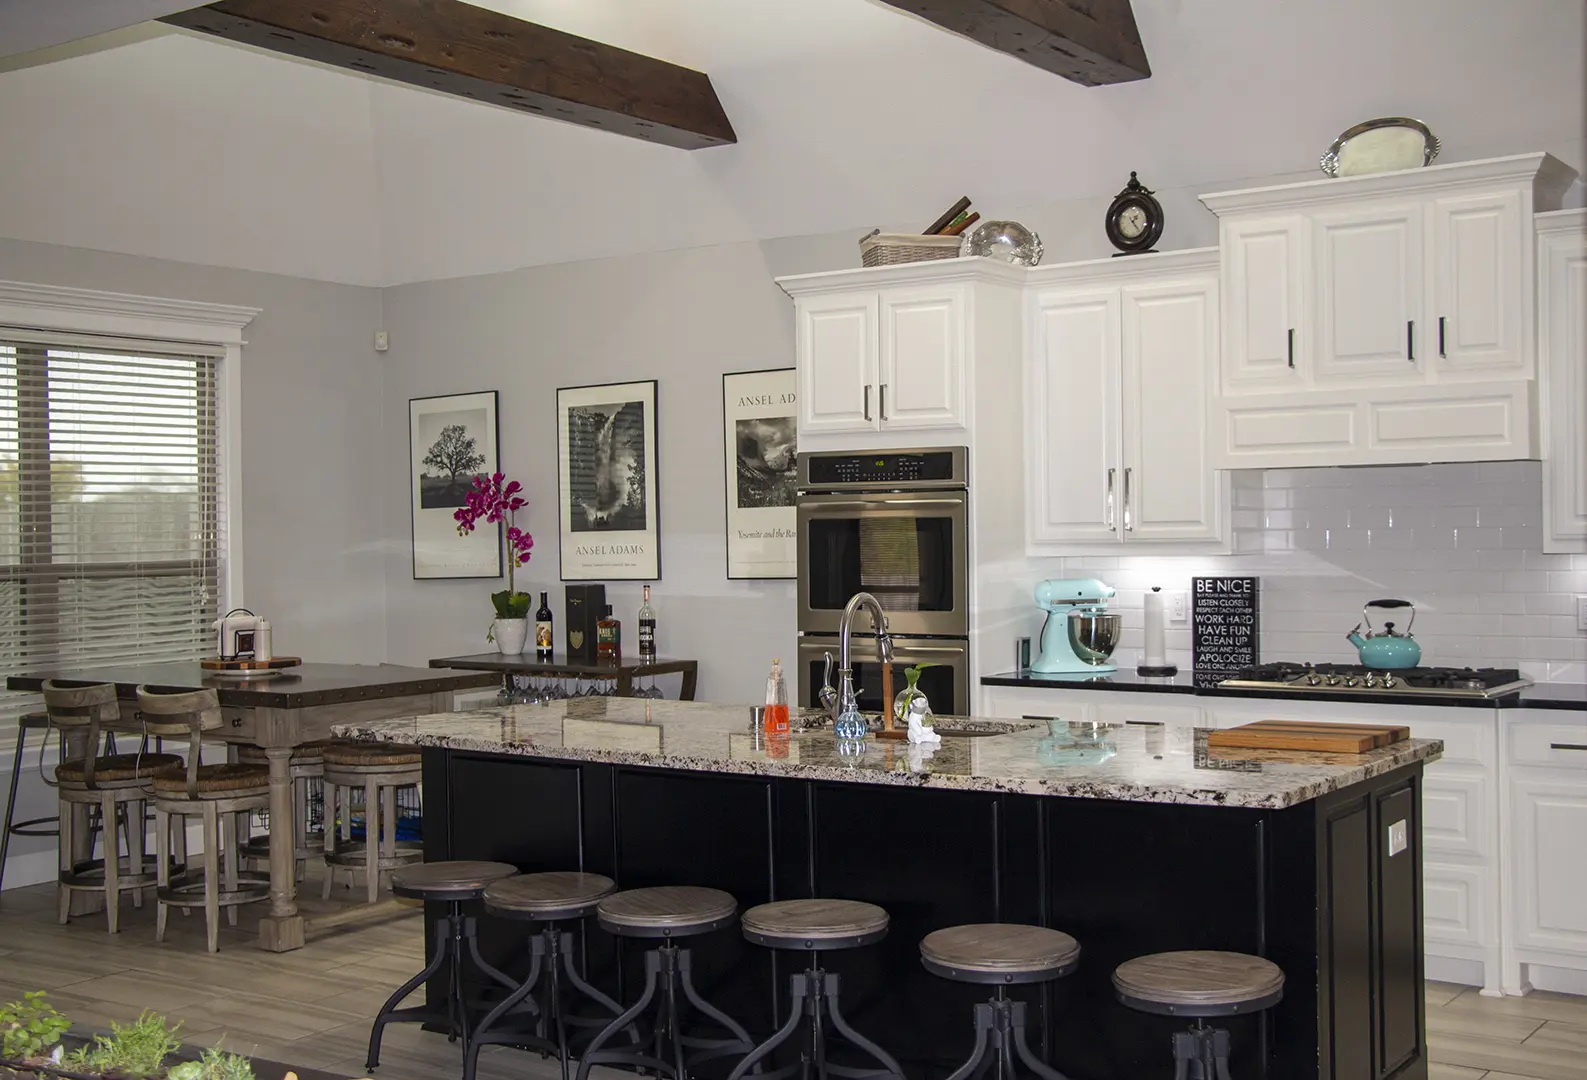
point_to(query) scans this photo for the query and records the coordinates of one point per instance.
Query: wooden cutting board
(1307, 735)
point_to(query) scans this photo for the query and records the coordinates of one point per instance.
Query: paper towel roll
(1156, 651)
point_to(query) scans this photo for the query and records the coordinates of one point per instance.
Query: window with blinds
(108, 501)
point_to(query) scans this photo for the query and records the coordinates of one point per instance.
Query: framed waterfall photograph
(760, 437)
(607, 482)
(451, 440)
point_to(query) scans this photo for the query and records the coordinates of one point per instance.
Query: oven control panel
(887, 468)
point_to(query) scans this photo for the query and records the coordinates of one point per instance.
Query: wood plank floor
(312, 1007)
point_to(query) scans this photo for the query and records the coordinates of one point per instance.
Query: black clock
(1135, 220)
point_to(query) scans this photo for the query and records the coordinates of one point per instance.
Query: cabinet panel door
(1477, 316)
(837, 360)
(1168, 492)
(921, 383)
(1562, 293)
(1264, 337)
(1369, 295)
(1550, 820)
(1072, 402)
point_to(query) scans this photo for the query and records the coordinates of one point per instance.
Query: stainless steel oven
(892, 523)
(946, 683)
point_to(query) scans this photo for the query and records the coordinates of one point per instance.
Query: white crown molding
(1152, 264)
(1548, 176)
(1560, 221)
(56, 307)
(935, 271)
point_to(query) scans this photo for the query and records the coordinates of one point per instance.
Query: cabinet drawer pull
(867, 409)
(1568, 746)
(1108, 521)
(1441, 336)
(1410, 340)
(1129, 523)
(881, 397)
(1292, 348)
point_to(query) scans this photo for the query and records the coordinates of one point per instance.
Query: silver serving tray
(1390, 155)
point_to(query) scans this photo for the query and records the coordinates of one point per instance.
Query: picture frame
(608, 490)
(760, 470)
(452, 438)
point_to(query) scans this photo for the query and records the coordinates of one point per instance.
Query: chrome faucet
(843, 700)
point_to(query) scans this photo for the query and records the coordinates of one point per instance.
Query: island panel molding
(482, 55)
(760, 439)
(451, 440)
(609, 503)
(1091, 42)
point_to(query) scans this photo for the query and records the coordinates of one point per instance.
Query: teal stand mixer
(1080, 634)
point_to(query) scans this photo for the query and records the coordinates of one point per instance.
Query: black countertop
(1566, 696)
(301, 687)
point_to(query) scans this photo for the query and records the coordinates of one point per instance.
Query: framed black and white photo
(761, 438)
(451, 440)
(607, 482)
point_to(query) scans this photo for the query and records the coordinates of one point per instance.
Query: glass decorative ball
(1008, 241)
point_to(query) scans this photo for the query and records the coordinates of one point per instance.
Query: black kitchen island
(1133, 839)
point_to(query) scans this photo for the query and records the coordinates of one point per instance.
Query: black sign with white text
(1225, 623)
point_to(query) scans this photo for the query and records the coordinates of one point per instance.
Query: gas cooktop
(1356, 679)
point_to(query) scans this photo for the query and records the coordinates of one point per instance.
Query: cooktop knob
(1334, 680)
(1371, 681)
(1389, 683)
(1352, 681)
(1314, 680)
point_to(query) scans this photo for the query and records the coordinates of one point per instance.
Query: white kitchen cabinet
(838, 350)
(1409, 297)
(921, 379)
(1562, 355)
(1369, 286)
(1118, 355)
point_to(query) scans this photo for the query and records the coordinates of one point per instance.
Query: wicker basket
(890, 249)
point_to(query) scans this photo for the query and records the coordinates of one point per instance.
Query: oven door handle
(868, 504)
(907, 650)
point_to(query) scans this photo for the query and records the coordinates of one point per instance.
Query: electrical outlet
(1178, 607)
(1397, 838)
(1581, 613)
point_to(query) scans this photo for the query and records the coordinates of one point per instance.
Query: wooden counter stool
(307, 765)
(450, 883)
(666, 914)
(379, 770)
(1001, 955)
(551, 901)
(114, 785)
(211, 793)
(814, 927)
(1199, 984)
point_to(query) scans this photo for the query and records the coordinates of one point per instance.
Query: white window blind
(109, 537)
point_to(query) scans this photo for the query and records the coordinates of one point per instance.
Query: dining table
(277, 711)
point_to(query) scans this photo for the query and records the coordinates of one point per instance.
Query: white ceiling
(848, 113)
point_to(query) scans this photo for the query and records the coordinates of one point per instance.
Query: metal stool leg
(519, 997)
(830, 985)
(798, 991)
(11, 802)
(594, 1055)
(983, 1042)
(389, 1011)
(1022, 1048)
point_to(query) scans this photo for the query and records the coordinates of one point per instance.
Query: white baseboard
(1559, 980)
(1450, 970)
(38, 867)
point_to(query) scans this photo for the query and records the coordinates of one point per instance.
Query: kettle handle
(1390, 604)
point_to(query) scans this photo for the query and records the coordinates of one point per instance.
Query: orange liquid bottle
(776, 722)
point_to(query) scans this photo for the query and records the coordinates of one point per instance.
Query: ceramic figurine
(919, 730)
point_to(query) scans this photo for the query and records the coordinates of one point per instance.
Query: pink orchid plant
(494, 502)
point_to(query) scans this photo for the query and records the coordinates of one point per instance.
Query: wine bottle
(543, 631)
(647, 630)
(608, 639)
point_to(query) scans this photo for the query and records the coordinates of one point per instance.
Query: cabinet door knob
(867, 409)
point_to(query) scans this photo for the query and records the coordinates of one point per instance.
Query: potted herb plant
(496, 500)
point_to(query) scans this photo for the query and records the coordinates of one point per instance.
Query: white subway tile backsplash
(1463, 542)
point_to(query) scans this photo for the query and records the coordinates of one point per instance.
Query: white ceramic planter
(510, 635)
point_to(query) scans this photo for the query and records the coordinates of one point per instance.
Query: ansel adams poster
(606, 464)
(761, 437)
(451, 440)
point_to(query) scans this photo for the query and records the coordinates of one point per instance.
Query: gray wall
(681, 317)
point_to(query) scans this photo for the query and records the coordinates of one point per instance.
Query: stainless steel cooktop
(1356, 679)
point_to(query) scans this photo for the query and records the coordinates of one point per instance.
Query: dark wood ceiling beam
(472, 52)
(1091, 42)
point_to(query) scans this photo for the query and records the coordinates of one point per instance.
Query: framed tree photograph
(451, 440)
(607, 482)
(761, 439)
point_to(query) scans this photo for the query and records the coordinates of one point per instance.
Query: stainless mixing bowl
(1094, 635)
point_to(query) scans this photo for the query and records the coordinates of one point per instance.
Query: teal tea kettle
(1387, 648)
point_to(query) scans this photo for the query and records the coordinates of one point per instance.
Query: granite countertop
(1132, 763)
(301, 687)
(1543, 695)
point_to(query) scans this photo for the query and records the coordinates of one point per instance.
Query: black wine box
(585, 604)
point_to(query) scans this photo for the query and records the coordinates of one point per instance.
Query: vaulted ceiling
(849, 113)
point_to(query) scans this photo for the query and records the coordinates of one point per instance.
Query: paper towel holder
(1156, 670)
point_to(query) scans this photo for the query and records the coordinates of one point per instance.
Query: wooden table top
(296, 688)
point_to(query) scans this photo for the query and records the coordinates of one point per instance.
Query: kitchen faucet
(843, 700)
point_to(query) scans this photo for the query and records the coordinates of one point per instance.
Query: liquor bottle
(647, 630)
(776, 721)
(608, 639)
(543, 631)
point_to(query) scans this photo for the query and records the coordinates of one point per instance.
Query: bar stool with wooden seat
(1000, 955)
(814, 927)
(113, 784)
(668, 914)
(452, 883)
(207, 792)
(307, 764)
(552, 901)
(378, 769)
(1199, 984)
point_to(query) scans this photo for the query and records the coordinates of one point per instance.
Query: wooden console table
(623, 672)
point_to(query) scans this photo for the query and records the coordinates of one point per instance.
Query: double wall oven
(894, 524)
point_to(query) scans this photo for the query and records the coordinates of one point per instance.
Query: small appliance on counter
(238, 635)
(1386, 648)
(1080, 634)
